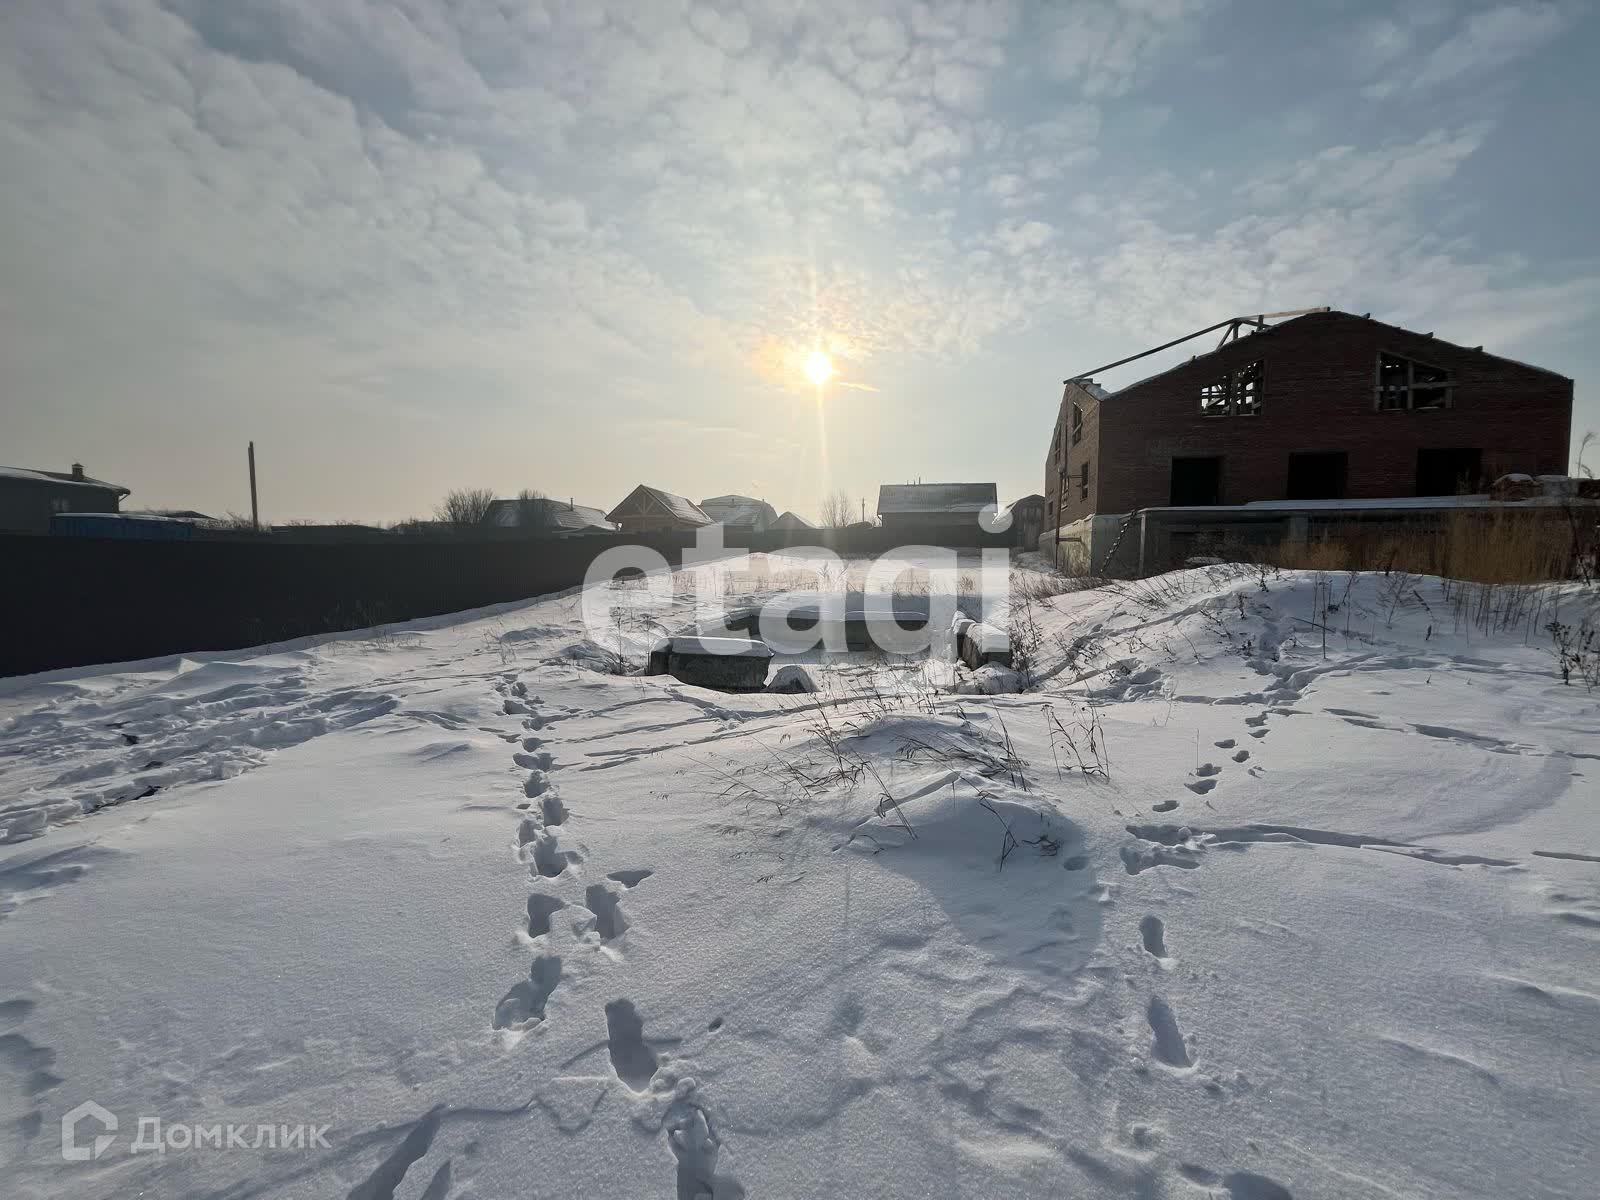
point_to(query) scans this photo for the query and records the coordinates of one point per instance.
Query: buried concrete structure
(979, 644)
(796, 624)
(734, 651)
(792, 679)
(722, 663)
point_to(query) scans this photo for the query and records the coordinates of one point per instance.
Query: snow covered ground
(1216, 910)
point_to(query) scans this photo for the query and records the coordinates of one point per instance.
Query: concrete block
(660, 651)
(792, 679)
(723, 664)
(979, 644)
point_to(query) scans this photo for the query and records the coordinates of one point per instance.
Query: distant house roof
(178, 514)
(122, 526)
(545, 513)
(934, 497)
(791, 520)
(644, 500)
(744, 511)
(1031, 501)
(56, 478)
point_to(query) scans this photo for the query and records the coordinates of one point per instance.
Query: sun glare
(819, 367)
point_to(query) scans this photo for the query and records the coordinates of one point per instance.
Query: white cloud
(729, 32)
(1346, 174)
(418, 211)
(1382, 41)
(1344, 227)
(958, 86)
(1007, 189)
(1486, 41)
(1018, 238)
(1107, 46)
(1491, 39)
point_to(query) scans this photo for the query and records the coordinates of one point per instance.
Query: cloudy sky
(421, 244)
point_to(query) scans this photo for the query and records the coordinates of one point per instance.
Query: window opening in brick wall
(1405, 384)
(1236, 394)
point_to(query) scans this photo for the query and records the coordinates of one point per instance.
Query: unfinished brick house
(1323, 406)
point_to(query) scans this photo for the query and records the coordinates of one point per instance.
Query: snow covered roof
(130, 518)
(58, 478)
(743, 511)
(179, 514)
(644, 499)
(558, 515)
(791, 520)
(934, 497)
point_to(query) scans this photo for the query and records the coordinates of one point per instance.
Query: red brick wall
(1317, 395)
(1069, 505)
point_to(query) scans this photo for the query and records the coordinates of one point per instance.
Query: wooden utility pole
(255, 512)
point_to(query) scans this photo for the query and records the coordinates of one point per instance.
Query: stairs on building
(1116, 542)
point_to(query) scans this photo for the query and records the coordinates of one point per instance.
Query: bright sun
(819, 367)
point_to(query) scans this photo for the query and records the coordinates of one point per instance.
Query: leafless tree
(465, 507)
(1582, 471)
(837, 510)
(532, 511)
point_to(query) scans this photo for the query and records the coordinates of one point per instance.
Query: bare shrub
(493, 639)
(1158, 593)
(1505, 545)
(1080, 653)
(837, 510)
(1319, 554)
(233, 521)
(1577, 651)
(1023, 632)
(465, 507)
(533, 514)
(1083, 746)
(943, 749)
(1030, 585)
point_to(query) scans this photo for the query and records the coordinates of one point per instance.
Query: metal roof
(934, 497)
(743, 511)
(644, 497)
(731, 498)
(24, 475)
(552, 514)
